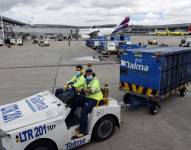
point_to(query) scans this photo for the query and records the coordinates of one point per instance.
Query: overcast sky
(93, 12)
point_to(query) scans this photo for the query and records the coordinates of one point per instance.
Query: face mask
(78, 73)
(89, 77)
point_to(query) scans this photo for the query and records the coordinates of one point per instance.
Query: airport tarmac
(29, 69)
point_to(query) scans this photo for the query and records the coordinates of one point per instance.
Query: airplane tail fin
(125, 21)
(124, 24)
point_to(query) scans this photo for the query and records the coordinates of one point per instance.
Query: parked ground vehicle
(152, 42)
(1, 42)
(19, 41)
(96, 41)
(44, 42)
(108, 47)
(112, 42)
(149, 75)
(38, 122)
(13, 41)
(35, 41)
(185, 42)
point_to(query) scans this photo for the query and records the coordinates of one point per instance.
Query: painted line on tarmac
(62, 65)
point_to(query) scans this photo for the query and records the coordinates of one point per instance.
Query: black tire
(126, 98)
(183, 92)
(154, 109)
(42, 145)
(104, 128)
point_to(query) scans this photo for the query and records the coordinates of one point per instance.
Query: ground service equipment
(149, 75)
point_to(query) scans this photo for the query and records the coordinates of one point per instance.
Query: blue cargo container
(155, 73)
(116, 39)
(113, 38)
(89, 42)
(124, 37)
(96, 41)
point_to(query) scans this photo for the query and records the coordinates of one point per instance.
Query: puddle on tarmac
(90, 58)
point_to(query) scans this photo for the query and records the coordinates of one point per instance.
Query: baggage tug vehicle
(38, 123)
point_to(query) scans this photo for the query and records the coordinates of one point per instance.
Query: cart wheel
(154, 109)
(183, 92)
(126, 98)
(104, 128)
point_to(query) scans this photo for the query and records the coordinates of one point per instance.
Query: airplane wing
(94, 33)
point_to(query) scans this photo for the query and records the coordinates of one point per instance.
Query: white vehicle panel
(111, 46)
(25, 112)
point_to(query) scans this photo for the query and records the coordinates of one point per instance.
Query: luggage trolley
(149, 75)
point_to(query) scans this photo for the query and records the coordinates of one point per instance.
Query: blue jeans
(87, 105)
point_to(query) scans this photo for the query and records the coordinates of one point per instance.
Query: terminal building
(10, 28)
(45, 29)
(6, 26)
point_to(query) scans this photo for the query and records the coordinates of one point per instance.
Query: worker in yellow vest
(92, 95)
(77, 81)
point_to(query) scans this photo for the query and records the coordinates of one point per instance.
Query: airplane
(86, 33)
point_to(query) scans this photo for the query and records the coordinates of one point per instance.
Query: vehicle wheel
(183, 92)
(104, 128)
(154, 109)
(42, 145)
(126, 98)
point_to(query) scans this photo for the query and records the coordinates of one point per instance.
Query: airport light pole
(2, 27)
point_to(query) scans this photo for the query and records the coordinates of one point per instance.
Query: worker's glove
(65, 86)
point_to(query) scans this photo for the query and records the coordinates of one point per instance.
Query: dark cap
(89, 70)
(79, 66)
